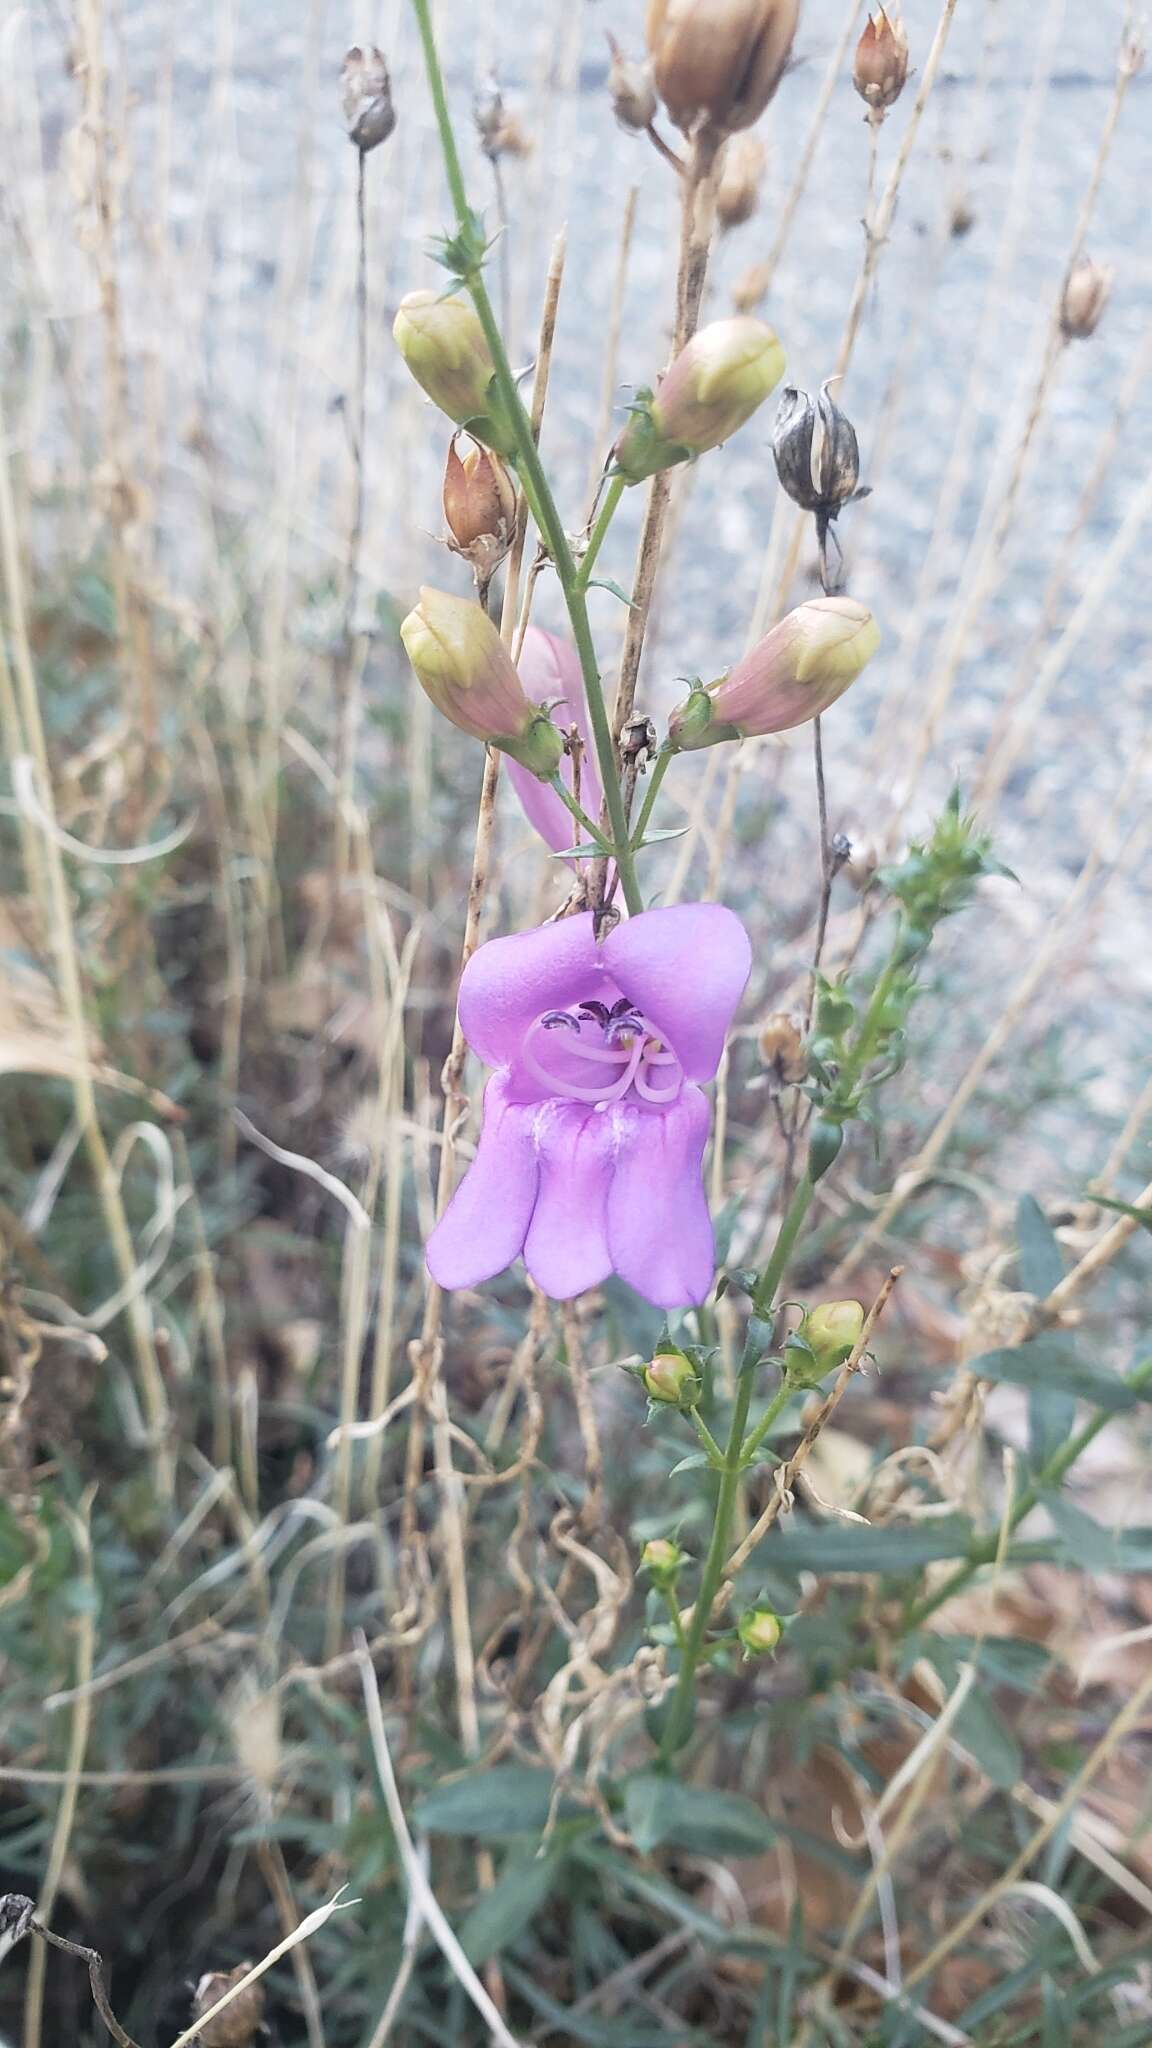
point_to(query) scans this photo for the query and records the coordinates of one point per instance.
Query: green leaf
(660, 1810)
(1143, 1216)
(1051, 1410)
(587, 851)
(606, 583)
(1052, 1362)
(501, 1915)
(850, 1547)
(1041, 1260)
(654, 835)
(509, 1799)
(691, 1463)
(983, 1732)
(1089, 1544)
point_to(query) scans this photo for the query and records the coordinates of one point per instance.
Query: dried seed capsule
(881, 65)
(741, 171)
(479, 508)
(816, 451)
(366, 97)
(1087, 290)
(782, 1050)
(717, 63)
(501, 132)
(236, 2026)
(631, 90)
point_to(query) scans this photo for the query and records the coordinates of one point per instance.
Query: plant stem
(659, 771)
(771, 1414)
(1049, 1476)
(566, 797)
(532, 476)
(604, 519)
(676, 1723)
(706, 1437)
(674, 1617)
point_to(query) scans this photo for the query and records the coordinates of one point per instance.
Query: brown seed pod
(366, 97)
(717, 63)
(236, 2026)
(881, 64)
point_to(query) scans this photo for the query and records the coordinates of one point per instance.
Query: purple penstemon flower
(589, 1160)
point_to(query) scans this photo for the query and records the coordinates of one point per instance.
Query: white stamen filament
(641, 1049)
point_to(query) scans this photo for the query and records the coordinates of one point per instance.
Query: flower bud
(881, 65)
(714, 385)
(479, 508)
(782, 1049)
(826, 1337)
(443, 344)
(717, 63)
(738, 188)
(817, 456)
(462, 664)
(759, 1631)
(366, 97)
(237, 2025)
(1087, 290)
(671, 1377)
(795, 673)
(663, 1559)
(630, 89)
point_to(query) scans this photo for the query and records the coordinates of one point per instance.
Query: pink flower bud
(794, 674)
(717, 63)
(443, 344)
(462, 664)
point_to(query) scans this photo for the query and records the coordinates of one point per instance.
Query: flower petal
(659, 1229)
(509, 982)
(483, 1228)
(550, 672)
(566, 1250)
(685, 967)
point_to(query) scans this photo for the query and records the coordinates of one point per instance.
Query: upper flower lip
(684, 966)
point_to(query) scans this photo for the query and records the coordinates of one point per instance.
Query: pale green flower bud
(663, 1559)
(462, 664)
(714, 385)
(826, 1337)
(444, 346)
(672, 1378)
(759, 1631)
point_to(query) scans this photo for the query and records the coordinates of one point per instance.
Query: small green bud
(663, 1559)
(671, 1377)
(826, 1337)
(759, 1631)
(444, 346)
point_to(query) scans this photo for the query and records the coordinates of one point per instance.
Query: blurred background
(202, 590)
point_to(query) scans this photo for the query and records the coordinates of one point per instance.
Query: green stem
(1048, 1477)
(533, 478)
(676, 1722)
(706, 1437)
(659, 770)
(672, 1605)
(604, 518)
(557, 783)
(771, 1414)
